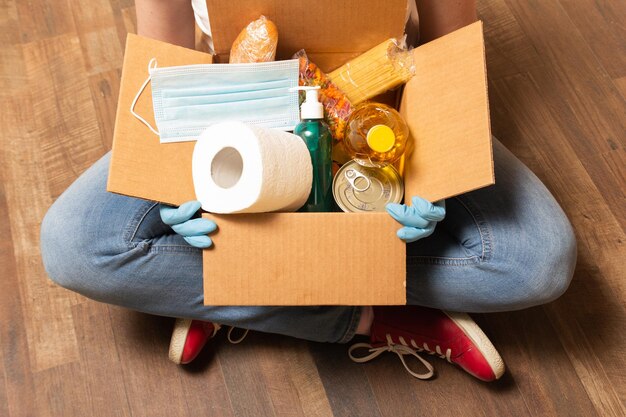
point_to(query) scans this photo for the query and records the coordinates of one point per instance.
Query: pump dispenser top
(311, 108)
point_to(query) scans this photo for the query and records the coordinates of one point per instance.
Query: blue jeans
(504, 247)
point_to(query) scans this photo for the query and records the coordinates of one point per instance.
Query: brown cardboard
(446, 107)
(140, 165)
(447, 111)
(305, 259)
(330, 31)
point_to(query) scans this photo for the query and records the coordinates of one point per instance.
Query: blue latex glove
(194, 231)
(419, 220)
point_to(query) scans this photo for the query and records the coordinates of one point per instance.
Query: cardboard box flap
(323, 26)
(446, 106)
(140, 164)
(305, 259)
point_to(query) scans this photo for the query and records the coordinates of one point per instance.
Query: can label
(361, 189)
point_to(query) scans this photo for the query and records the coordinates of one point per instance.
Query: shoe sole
(177, 342)
(480, 339)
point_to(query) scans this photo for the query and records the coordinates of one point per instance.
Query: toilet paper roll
(240, 168)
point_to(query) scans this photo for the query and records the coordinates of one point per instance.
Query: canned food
(361, 189)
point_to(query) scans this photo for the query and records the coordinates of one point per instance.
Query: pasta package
(380, 69)
(256, 43)
(337, 107)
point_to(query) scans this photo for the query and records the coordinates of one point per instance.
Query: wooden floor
(557, 71)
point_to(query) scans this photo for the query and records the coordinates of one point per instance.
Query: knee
(59, 247)
(546, 269)
(69, 255)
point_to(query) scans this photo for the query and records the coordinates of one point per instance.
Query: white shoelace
(230, 332)
(401, 350)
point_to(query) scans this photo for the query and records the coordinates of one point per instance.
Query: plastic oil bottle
(376, 135)
(316, 134)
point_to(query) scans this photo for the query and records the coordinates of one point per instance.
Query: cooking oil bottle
(375, 135)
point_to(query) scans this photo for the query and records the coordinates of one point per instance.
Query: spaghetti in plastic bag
(380, 69)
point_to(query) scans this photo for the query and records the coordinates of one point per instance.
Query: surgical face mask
(187, 99)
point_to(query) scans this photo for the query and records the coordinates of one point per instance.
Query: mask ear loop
(151, 65)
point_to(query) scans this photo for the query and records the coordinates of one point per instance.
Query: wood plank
(64, 114)
(539, 365)
(118, 8)
(621, 85)
(4, 399)
(99, 361)
(291, 377)
(105, 89)
(304, 376)
(41, 19)
(584, 330)
(13, 79)
(9, 25)
(508, 51)
(98, 34)
(592, 114)
(153, 384)
(602, 25)
(347, 387)
(17, 382)
(102, 51)
(597, 230)
(47, 317)
(203, 383)
(276, 380)
(245, 380)
(61, 391)
(129, 17)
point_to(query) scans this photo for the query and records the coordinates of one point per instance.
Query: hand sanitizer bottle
(316, 135)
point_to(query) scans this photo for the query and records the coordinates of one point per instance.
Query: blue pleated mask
(188, 99)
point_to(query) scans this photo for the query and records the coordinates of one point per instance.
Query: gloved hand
(419, 220)
(194, 231)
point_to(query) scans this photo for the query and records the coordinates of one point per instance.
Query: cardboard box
(317, 258)
(331, 31)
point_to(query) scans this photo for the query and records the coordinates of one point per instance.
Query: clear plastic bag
(256, 43)
(337, 107)
(380, 69)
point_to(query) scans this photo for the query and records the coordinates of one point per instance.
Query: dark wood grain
(347, 387)
(17, 387)
(153, 385)
(99, 358)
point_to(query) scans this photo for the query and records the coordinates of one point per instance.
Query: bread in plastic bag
(255, 43)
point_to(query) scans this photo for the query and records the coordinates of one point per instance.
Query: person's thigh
(503, 247)
(116, 249)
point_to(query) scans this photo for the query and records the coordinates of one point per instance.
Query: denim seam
(485, 239)
(352, 325)
(436, 260)
(484, 229)
(133, 227)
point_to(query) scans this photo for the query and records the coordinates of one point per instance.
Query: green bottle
(316, 135)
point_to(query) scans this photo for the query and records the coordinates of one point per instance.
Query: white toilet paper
(239, 168)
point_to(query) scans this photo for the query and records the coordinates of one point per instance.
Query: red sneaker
(188, 339)
(455, 337)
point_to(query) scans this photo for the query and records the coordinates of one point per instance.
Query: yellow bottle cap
(381, 138)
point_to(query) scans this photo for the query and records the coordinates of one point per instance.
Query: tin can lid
(361, 189)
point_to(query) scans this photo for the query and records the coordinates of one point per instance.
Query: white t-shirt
(202, 20)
